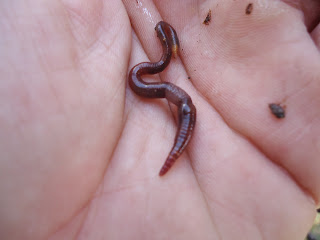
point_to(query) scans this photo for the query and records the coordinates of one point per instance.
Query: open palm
(80, 152)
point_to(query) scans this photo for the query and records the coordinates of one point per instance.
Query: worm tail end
(168, 164)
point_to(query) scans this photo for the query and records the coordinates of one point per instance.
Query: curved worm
(186, 110)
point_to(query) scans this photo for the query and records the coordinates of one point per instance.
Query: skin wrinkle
(76, 17)
(54, 91)
(22, 120)
(89, 47)
(100, 31)
(233, 212)
(71, 27)
(43, 32)
(64, 225)
(141, 153)
(89, 204)
(113, 97)
(88, 208)
(48, 68)
(205, 196)
(109, 47)
(102, 186)
(302, 88)
(120, 135)
(124, 188)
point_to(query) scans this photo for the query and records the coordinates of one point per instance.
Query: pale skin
(80, 152)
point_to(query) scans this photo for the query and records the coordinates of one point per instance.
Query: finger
(310, 10)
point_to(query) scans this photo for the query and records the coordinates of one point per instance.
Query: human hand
(81, 153)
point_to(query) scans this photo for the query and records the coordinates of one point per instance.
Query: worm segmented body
(186, 110)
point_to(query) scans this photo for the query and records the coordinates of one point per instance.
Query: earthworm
(186, 110)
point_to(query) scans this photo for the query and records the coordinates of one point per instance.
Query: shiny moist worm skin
(186, 110)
